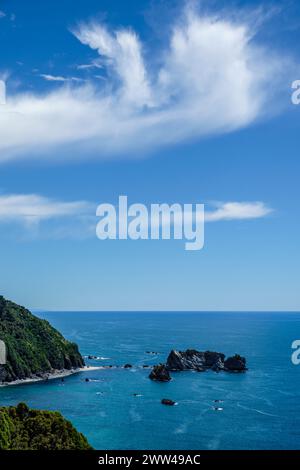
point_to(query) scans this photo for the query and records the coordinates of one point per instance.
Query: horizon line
(162, 311)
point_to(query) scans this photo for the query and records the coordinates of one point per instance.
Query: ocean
(259, 409)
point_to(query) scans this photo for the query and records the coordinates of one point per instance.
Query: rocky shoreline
(177, 361)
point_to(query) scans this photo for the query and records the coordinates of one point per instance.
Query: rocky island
(31, 348)
(191, 359)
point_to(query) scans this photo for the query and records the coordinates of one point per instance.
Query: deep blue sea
(261, 408)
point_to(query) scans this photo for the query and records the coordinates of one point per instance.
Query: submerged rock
(160, 373)
(166, 401)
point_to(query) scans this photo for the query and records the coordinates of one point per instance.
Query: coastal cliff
(33, 348)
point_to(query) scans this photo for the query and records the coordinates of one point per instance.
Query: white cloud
(93, 65)
(59, 78)
(28, 208)
(124, 51)
(213, 78)
(230, 211)
(238, 211)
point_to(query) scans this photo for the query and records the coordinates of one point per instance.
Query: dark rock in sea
(87, 380)
(166, 401)
(145, 366)
(160, 373)
(192, 359)
(127, 366)
(235, 363)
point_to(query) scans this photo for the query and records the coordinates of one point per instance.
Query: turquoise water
(261, 409)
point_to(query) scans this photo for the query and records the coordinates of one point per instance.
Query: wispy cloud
(2, 14)
(29, 208)
(58, 78)
(238, 211)
(79, 217)
(93, 65)
(212, 78)
(227, 211)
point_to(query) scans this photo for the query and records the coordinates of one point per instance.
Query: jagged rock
(235, 364)
(127, 366)
(166, 401)
(192, 359)
(160, 373)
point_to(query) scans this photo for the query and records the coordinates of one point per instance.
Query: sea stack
(160, 373)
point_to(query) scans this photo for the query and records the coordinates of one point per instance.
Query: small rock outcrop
(235, 363)
(160, 373)
(167, 401)
(192, 359)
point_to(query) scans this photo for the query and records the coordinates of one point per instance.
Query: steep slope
(33, 346)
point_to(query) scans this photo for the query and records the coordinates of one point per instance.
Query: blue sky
(201, 115)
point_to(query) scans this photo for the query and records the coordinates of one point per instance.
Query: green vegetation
(33, 346)
(25, 429)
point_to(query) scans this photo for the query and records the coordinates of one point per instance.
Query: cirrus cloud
(213, 78)
(35, 208)
(29, 208)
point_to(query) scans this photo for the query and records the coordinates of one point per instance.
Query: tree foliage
(22, 428)
(33, 345)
